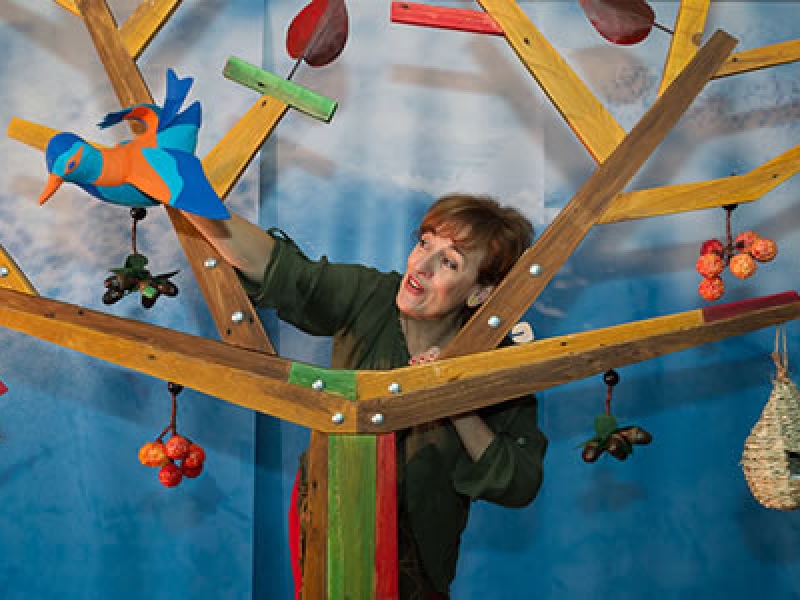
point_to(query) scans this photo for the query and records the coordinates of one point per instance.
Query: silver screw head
(318, 385)
(394, 388)
(535, 270)
(237, 317)
(3, 271)
(210, 263)
(377, 419)
(337, 418)
(494, 321)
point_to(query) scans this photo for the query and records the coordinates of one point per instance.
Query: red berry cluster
(179, 457)
(740, 256)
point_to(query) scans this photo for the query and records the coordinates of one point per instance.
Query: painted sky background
(421, 113)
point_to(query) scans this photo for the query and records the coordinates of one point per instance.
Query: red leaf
(318, 33)
(623, 22)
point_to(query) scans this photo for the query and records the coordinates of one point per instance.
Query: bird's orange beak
(53, 183)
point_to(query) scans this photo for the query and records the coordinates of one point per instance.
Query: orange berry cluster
(178, 458)
(741, 257)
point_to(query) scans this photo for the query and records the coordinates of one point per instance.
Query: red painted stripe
(734, 309)
(386, 518)
(442, 17)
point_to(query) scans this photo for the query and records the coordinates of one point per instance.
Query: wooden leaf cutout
(318, 33)
(623, 22)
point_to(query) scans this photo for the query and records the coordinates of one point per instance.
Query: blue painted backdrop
(421, 112)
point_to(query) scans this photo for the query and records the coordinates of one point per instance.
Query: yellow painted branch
(685, 40)
(583, 112)
(463, 384)
(226, 162)
(145, 23)
(714, 193)
(70, 5)
(248, 378)
(30, 133)
(760, 58)
(12, 277)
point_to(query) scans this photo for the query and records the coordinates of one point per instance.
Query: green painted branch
(264, 82)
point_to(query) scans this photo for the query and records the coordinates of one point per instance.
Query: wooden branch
(234, 316)
(539, 264)
(458, 385)
(583, 112)
(142, 26)
(760, 58)
(685, 40)
(248, 378)
(714, 193)
(12, 277)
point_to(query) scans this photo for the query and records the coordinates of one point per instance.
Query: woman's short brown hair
(481, 222)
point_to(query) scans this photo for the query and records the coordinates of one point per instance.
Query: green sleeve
(318, 297)
(510, 471)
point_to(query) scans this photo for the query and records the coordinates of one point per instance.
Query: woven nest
(771, 456)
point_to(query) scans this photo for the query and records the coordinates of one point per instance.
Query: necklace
(418, 357)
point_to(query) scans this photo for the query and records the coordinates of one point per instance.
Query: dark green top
(437, 478)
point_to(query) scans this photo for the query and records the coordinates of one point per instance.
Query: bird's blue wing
(182, 133)
(190, 189)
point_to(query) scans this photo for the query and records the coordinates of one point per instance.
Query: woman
(466, 245)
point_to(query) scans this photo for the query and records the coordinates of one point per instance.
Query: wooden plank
(714, 193)
(442, 17)
(351, 516)
(540, 263)
(685, 40)
(583, 112)
(467, 383)
(220, 285)
(145, 23)
(315, 566)
(266, 83)
(248, 378)
(386, 575)
(11, 276)
(760, 58)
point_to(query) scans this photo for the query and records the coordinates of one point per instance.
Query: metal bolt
(494, 321)
(535, 270)
(237, 317)
(377, 419)
(210, 263)
(318, 385)
(337, 418)
(394, 388)
(3, 271)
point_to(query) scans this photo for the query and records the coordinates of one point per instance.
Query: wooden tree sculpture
(352, 532)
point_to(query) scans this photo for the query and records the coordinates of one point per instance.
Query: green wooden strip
(333, 381)
(351, 516)
(316, 105)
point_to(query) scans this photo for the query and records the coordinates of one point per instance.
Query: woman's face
(439, 278)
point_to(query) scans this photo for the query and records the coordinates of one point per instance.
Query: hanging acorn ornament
(608, 436)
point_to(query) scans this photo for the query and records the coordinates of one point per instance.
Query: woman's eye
(450, 264)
